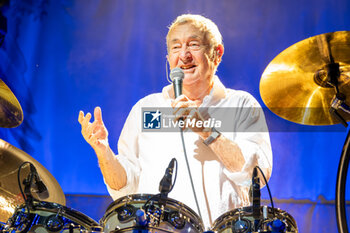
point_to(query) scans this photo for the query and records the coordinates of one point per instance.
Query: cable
(149, 199)
(268, 189)
(166, 71)
(189, 172)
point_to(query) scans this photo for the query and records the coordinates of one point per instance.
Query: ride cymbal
(10, 196)
(11, 114)
(298, 86)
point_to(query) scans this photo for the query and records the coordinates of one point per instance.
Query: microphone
(39, 186)
(166, 184)
(177, 75)
(256, 193)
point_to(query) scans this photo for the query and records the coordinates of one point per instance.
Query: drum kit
(307, 84)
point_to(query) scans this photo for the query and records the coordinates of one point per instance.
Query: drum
(147, 213)
(241, 220)
(47, 217)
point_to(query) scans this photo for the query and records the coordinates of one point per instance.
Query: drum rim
(247, 209)
(67, 212)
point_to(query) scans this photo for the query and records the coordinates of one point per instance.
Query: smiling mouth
(187, 67)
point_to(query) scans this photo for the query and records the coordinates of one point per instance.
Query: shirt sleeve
(252, 136)
(128, 153)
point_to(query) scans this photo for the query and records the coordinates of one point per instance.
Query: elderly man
(221, 163)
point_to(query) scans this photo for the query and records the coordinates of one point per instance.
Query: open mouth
(187, 67)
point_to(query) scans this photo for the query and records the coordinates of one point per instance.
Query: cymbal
(10, 196)
(11, 114)
(296, 86)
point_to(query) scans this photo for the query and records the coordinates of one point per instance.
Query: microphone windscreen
(177, 73)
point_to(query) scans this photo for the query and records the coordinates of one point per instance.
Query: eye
(194, 45)
(175, 47)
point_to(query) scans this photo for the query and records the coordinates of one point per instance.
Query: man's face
(187, 49)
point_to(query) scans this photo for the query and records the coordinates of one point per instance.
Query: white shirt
(146, 155)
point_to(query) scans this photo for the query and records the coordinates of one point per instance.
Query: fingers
(181, 98)
(86, 120)
(81, 116)
(98, 114)
(183, 106)
(86, 126)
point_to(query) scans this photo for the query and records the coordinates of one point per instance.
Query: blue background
(63, 56)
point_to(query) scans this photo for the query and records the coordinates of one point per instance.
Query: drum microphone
(39, 186)
(256, 193)
(166, 184)
(177, 75)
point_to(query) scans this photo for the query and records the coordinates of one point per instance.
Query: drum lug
(54, 223)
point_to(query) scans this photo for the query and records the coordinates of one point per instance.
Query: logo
(152, 119)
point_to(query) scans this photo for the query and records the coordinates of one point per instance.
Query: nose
(185, 53)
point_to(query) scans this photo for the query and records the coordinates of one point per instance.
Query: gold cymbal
(11, 114)
(295, 84)
(10, 196)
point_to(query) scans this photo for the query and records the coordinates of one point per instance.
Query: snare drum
(47, 217)
(241, 220)
(125, 215)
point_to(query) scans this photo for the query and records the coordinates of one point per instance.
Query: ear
(219, 51)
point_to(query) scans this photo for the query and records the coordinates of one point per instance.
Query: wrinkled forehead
(186, 30)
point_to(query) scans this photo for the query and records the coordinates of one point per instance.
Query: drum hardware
(30, 186)
(256, 218)
(241, 220)
(307, 84)
(338, 103)
(54, 222)
(50, 217)
(10, 194)
(151, 216)
(241, 225)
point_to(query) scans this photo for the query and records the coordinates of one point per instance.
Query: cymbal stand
(338, 102)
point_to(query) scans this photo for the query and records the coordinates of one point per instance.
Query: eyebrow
(191, 37)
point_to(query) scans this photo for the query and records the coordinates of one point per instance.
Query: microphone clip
(33, 184)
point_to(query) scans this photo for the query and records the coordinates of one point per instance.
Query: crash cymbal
(10, 196)
(296, 85)
(11, 114)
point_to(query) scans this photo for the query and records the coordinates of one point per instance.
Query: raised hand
(94, 133)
